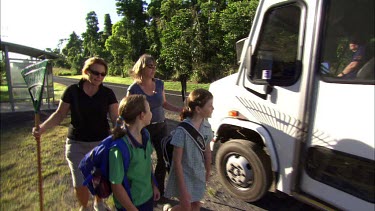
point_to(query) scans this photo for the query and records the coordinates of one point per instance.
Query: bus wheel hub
(239, 171)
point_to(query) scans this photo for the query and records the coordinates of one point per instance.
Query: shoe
(167, 207)
(101, 206)
(82, 208)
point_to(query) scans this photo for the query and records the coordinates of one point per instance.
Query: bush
(207, 72)
(62, 71)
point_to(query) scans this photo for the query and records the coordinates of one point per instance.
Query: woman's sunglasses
(97, 73)
(151, 66)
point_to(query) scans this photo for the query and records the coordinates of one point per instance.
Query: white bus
(291, 120)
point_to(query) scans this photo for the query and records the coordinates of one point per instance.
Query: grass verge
(19, 170)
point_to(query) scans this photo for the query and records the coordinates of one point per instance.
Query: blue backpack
(95, 167)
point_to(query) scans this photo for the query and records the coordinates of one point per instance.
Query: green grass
(19, 175)
(58, 89)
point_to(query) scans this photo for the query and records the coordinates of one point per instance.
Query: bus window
(348, 42)
(276, 59)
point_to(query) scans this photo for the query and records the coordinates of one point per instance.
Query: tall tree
(73, 52)
(235, 21)
(209, 39)
(153, 29)
(107, 26)
(104, 35)
(177, 40)
(118, 45)
(91, 44)
(135, 18)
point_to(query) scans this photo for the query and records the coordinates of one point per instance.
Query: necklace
(149, 88)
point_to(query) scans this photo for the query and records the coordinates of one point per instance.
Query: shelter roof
(29, 51)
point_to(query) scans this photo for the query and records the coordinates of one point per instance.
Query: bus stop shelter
(16, 57)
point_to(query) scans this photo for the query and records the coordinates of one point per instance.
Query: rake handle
(37, 122)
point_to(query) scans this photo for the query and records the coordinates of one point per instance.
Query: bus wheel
(244, 169)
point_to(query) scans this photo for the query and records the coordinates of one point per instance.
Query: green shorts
(74, 152)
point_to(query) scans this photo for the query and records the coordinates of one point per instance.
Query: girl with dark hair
(190, 171)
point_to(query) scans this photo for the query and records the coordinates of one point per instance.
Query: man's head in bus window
(354, 44)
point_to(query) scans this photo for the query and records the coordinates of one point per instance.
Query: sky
(42, 23)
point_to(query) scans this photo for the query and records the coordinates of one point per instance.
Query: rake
(34, 76)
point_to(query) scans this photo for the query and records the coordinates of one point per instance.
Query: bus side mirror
(239, 49)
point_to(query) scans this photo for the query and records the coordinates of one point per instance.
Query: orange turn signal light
(233, 113)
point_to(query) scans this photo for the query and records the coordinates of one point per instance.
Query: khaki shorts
(74, 152)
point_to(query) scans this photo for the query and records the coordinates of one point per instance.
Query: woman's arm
(113, 113)
(123, 197)
(55, 119)
(169, 106)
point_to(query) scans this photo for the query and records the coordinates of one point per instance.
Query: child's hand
(156, 193)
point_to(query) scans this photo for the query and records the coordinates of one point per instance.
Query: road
(216, 198)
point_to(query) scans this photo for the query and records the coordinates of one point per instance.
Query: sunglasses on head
(97, 73)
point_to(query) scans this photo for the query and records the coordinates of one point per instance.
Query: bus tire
(244, 169)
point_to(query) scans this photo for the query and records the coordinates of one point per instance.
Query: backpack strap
(195, 134)
(126, 160)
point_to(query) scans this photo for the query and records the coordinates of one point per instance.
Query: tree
(73, 52)
(135, 19)
(205, 64)
(153, 31)
(118, 45)
(103, 36)
(177, 39)
(235, 22)
(91, 46)
(188, 38)
(107, 26)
